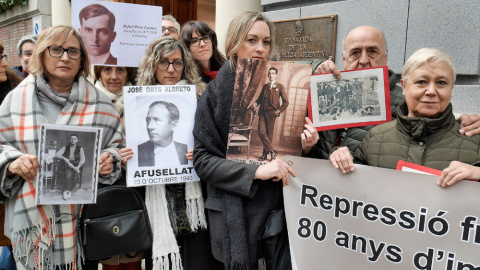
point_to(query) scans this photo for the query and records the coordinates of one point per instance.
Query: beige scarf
(165, 249)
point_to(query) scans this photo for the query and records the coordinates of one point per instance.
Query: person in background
(240, 196)
(8, 78)
(25, 50)
(8, 81)
(168, 62)
(202, 43)
(363, 47)
(170, 26)
(56, 93)
(425, 131)
(111, 80)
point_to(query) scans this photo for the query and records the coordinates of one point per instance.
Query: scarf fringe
(196, 214)
(165, 249)
(238, 266)
(24, 244)
(163, 262)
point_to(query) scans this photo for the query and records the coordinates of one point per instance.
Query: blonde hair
(425, 55)
(158, 50)
(238, 31)
(57, 35)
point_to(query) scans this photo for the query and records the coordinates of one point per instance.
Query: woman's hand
(457, 171)
(190, 154)
(106, 164)
(126, 154)
(342, 159)
(275, 170)
(309, 136)
(25, 166)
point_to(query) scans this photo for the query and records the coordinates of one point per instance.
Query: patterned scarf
(165, 250)
(49, 232)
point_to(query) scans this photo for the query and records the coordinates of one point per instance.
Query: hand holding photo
(69, 160)
(360, 98)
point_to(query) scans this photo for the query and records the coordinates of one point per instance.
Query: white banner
(377, 218)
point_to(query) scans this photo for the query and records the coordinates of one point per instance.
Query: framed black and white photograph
(116, 33)
(159, 122)
(68, 158)
(268, 110)
(360, 98)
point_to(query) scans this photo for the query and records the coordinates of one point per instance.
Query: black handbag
(177, 210)
(117, 224)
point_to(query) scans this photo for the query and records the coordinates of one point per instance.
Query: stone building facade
(453, 26)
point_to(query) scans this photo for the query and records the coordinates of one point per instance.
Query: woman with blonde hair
(240, 196)
(55, 92)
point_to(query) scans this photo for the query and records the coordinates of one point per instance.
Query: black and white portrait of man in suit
(162, 119)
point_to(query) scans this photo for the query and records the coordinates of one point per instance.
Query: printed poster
(159, 122)
(116, 34)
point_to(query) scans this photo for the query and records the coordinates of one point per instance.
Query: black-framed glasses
(170, 29)
(196, 41)
(177, 65)
(57, 51)
(3, 57)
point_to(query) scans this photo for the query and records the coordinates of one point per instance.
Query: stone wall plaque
(306, 39)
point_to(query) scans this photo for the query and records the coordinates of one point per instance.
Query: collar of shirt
(166, 156)
(272, 85)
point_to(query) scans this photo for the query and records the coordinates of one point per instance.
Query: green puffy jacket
(354, 136)
(428, 142)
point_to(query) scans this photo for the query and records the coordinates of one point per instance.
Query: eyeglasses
(172, 30)
(196, 41)
(27, 53)
(3, 57)
(177, 65)
(57, 51)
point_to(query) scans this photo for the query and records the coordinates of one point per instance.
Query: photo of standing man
(73, 157)
(273, 100)
(97, 25)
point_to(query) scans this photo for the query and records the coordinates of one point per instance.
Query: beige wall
(206, 12)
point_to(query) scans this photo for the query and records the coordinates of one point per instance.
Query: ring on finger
(450, 168)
